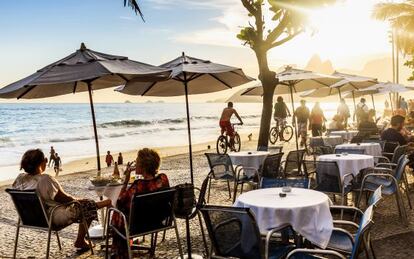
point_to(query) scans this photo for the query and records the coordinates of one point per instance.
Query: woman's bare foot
(81, 244)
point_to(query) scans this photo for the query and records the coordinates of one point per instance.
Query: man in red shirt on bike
(225, 123)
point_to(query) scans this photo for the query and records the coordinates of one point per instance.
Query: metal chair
(329, 180)
(221, 168)
(342, 242)
(292, 166)
(275, 149)
(32, 214)
(278, 182)
(390, 180)
(389, 148)
(398, 152)
(271, 166)
(349, 151)
(234, 233)
(159, 216)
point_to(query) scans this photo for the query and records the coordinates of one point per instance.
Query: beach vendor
(50, 191)
(225, 123)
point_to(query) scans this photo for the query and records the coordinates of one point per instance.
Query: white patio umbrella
(293, 80)
(83, 70)
(189, 76)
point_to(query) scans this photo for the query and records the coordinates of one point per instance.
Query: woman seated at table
(147, 165)
(34, 164)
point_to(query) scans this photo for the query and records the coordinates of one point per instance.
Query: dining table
(250, 161)
(373, 149)
(306, 210)
(345, 134)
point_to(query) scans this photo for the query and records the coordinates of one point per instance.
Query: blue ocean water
(121, 127)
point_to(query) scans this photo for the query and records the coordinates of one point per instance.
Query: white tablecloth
(307, 211)
(349, 164)
(373, 149)
(328, 140)
(253, 159)
(110, 191)
(348, 135)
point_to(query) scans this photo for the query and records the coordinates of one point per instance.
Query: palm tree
(135, 7)
(401, 18)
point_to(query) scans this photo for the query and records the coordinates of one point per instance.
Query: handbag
(184, 200)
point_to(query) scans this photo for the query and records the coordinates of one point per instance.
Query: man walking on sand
(57, 162)
(225, 123)
(109, 159)
(52, 155)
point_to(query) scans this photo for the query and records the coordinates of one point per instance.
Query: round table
(349, 164)
(327, 140)
(347, 135)
(372, 149)
(248, 159)
(307, 211)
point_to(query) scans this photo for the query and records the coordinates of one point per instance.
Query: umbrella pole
(353, 98)
(94, 128)
(392, 106)
(294, 119)
(339, 93)
(373, 103)
(190, 149)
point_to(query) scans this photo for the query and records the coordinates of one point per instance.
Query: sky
(36, 33)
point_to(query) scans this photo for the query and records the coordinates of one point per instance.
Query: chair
(278, 182)
(389, 148)
(390, 180)
(398, 152)
(271, 166)
(329, 180)
(349, 151)
(221, 168)
(159, 216)
(292, 166)
(32, 214)
(234, 233)
(275, 149)
(342, 242)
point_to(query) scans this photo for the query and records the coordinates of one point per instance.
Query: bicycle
(223, 141)
(285, 134)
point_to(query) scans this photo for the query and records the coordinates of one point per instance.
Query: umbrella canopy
(381, 88)
(189, 76)
(83, 70)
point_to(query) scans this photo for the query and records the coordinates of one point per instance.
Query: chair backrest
(233, 232)
(202, 195)
(29, 207)
(350, 151)
(328, 177)
(399, 170)
(316, 142)
(381, 142)
(279, 182)
(151, 211)
(390, 146)
(275, 149)
(398, 152)
(294, 160)
(363, 230)
(220, 165)
(271, 166)
(375, 197)
(309, 167)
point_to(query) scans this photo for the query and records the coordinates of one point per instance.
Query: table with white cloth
(248, 159)
(372, 149)
(350, 163)
(327, 140)
(307, 211)
(346, 135)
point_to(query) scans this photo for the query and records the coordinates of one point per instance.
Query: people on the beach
(225, 123)
(360, 110)
(57, 163)
(109, 159)
(301, 116)
(54, 197)
(281, 112)
(336, 123)
(343, 111)
(120, 159)
(147, 165)
(404, 105)
(394, 132)
(317, 120)
(52, 155)
(367, 125)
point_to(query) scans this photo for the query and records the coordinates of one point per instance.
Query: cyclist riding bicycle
(225, 123)
(281, 113)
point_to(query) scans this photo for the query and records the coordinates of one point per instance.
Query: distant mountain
(316, 64)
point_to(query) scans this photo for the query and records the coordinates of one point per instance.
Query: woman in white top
(34, 164)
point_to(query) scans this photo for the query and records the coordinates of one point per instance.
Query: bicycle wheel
(273, 135)
(287, 133)
(237, 142)
(221, 145)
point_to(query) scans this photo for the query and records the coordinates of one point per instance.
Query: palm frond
(135, 7)
(389, 11)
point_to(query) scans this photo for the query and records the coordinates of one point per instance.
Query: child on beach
(109, 159)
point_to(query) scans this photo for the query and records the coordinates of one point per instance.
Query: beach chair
(342, 243)
(349, 151)
(221, 169)
(234, 233)
(32, 214)
(150, 213)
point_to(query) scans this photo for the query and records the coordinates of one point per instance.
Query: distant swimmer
(225, 123)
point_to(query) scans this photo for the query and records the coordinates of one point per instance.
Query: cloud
(128, 18)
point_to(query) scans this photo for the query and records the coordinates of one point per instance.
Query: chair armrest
(387, 160)
(341, 207)
(315, 251)
(243, 168)
(345, 177)
(390, 165)
(269, 236)
(52, 212)
(109, 213)
(347, 233)
(346, 222)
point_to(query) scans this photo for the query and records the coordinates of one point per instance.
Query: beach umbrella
(293, 80)
(83, 70)
(189, 76)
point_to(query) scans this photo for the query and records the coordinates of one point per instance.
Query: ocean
(121, 127)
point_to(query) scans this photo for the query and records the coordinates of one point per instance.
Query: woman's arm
(62, 197)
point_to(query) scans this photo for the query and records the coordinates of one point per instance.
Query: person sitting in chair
(52, 194)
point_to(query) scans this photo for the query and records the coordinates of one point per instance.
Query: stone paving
(391, 237)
